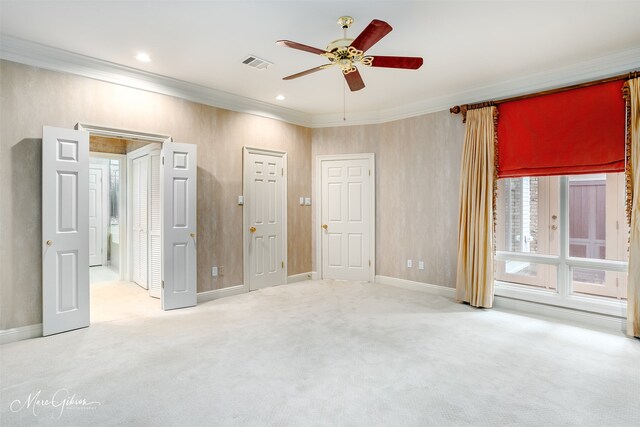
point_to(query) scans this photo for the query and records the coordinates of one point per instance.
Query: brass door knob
(325, 226)
(252, 229)
(49, 242)
(192, 234)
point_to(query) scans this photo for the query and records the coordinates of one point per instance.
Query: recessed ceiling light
(143, 57)
(280, 98)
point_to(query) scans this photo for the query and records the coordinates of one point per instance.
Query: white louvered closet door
(155, 226)
(139, 220)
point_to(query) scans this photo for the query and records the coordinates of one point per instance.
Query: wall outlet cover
(307, 201)
(214, 271)
(420, 265)
(409, 263)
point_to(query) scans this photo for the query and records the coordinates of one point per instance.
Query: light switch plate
(420, 265)
(409, 263)
(301, 201)
(214, 271)
(307, 201)
(241, 200)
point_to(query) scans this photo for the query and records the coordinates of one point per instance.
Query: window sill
(609, 307)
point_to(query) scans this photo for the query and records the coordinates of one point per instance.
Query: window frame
(563, 295)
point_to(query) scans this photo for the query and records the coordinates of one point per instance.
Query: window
(563, 240)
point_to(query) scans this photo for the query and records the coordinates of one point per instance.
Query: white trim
(20, 333)
(222, 293)
(300, 277)
(417, 286)
(604, 306)
(518, 306)
(245, 212)
(110, 132)
(38, 55)
(51, 58)
(318, 207)
(609, 323)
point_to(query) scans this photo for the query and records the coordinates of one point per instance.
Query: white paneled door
(178, 177)
(65, 230)
(346, 213)
(265, 204)
(96, 226)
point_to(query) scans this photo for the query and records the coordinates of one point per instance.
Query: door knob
(192, 234)
(49, 242)
(325, 226)
(252, 229)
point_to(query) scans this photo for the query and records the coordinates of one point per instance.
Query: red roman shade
(573, 132)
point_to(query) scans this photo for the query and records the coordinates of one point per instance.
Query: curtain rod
(465, 107)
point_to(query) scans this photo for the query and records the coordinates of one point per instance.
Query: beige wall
(32, 97)
(417, 179)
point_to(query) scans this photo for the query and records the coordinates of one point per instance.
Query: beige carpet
(324, 354)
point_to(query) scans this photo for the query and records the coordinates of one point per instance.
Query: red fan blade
(371, 35)
(408, 62)
(309, 71)
(354, 80)
(299, 46)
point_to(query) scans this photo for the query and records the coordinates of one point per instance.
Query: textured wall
(33, 97)
(417, 180)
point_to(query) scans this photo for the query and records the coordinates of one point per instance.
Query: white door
(96, 215)
(139, 219)
(346, 219)
(65, 230)
(178, 178)
(265, 204)
(155, 226)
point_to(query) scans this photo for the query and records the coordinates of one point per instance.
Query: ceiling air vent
(255, 62)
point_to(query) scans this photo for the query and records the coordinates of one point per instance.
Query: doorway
(264, 217)
(345, 216)
(66, 230)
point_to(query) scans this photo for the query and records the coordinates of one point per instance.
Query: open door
(178, 225)
(65, 230)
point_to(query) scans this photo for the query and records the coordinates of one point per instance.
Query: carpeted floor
(324, 353)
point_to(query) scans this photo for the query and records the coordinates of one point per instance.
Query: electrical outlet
(214, 271)
(307, 201)
(301, 201)
(420, 265)
(409, 263)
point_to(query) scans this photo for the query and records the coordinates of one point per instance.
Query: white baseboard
(21, 333)
(221, 293)
(417, 286)
(600, 321)
(300, 277)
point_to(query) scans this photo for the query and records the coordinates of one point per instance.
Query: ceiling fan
(346, 53)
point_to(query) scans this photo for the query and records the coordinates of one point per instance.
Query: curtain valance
(573, 132)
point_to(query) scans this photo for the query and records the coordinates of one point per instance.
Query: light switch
(214, 271)
(420, 265)
(409, 263)
(241, 200)
(307, 201)
(301, 201)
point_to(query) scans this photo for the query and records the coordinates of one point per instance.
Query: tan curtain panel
(474, 282)
(632, 93)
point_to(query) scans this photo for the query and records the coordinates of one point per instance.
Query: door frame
(246, 236)
(110, 132)
(105, 207)
(131, 156)
(372, 206)
(122, 204)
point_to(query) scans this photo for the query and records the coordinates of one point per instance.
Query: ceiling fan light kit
(347, 53)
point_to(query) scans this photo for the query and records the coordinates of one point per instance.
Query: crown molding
(601, 67)
(50, 58)
(38, 55)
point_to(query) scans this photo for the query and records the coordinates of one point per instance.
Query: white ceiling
(465, 45)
